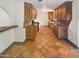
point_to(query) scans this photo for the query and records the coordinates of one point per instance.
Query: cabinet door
(31, 32)
(62, 32)
(28, 32)
(50, 15)
(63, 12)
(34, 13)
(54, 17)
(27, 13)
(69, 12)
(60, 13)
(65, 32)
(56, 13)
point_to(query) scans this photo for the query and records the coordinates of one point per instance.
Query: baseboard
(19, 43)
(70, 43)
(7, 48)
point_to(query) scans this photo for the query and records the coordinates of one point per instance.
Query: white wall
(20, 32)
(7, 6)
(4, 18)
(42, 18)
(78, 33)
(6, 39)
(73, 28)
(15, 10)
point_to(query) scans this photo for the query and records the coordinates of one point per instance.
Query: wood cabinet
(63, 15)
(64, 11)
(34, 13)
(27, 13)
(30, 12)
(31, 32)
(50, 15)
(61, 31)
(55, 29)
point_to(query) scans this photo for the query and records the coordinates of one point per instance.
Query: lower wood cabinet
(50, 25)
(31, 31)
(61, 31)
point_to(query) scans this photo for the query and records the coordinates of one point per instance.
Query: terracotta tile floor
(45, 45)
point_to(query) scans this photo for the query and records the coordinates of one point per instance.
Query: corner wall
(15, 9)
(7, 37)
(73, 27)
(20, 31)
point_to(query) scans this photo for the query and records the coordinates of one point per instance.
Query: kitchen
(39, 28)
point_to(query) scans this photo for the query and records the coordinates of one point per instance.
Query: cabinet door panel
(28, 32)
(50, 15)
(29, 12)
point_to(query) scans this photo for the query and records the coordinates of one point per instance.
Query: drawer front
(62, 32)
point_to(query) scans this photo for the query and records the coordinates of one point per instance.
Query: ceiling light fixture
(40, 0)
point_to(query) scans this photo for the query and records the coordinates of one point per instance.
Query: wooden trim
(5, 28)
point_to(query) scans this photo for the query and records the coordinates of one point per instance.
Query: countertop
(4, 28)
(60, 23)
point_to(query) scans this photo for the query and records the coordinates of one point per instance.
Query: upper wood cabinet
(30, 12)
(50, 15)
(27, 12)
(64, 11)
(34, 13)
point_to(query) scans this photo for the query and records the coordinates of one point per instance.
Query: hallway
(46, 45)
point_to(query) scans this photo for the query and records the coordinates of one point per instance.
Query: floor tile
(46, 45)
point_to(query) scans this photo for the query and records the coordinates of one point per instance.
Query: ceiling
(48, 4)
